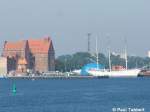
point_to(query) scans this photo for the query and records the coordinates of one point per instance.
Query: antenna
(89, 43)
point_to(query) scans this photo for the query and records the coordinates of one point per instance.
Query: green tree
(78, 60)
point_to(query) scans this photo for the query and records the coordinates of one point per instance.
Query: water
(74, 95)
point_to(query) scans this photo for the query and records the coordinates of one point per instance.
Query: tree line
(78, 60)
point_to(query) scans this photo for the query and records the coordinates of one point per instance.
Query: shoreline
(51, 77)
(69, 77)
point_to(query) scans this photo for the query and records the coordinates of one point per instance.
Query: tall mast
(109, 54)
(97, 53)
(126, 56)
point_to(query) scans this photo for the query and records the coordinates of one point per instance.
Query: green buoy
(14, 89)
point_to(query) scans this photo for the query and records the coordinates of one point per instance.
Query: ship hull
(121, 73)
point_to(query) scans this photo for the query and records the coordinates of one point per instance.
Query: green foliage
(79, 59)
(116, 60)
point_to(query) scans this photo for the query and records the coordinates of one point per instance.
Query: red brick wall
(41, 62)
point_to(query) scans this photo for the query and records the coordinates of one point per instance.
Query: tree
(78, 60)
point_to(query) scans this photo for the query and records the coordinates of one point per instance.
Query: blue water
(74, 95)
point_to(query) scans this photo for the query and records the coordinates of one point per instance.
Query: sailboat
(114, 73)
(119, 73)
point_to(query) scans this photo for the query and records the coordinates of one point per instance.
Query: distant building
(120, 55)
(15, 52)
(38, 55)
(43, 53)
(149, 54)
(90, 66)
(3, 66)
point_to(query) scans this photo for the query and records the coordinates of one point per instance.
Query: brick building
(43, 53)
(38, 55)
(15, 52)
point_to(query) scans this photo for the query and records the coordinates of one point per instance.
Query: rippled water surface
(74, 95)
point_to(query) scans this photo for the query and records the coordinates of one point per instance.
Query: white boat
(117, 73)
(78, 72)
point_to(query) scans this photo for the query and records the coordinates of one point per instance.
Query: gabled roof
(20, 45)
(40, 45)
(35, 45)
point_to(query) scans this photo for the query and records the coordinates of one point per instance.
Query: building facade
(43, 53)
(3, 66)
(15, 52)
(38, 55)
(148, 54)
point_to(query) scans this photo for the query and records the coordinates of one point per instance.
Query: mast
(126, 56)
(109, 54)
(97, 57)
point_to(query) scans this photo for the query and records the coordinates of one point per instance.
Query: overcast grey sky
(69, 21)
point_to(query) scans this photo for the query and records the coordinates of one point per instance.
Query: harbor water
(74, 95)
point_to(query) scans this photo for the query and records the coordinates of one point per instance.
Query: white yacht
(114, 73)
(119, 73)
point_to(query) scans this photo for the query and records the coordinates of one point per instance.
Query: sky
(67, 22)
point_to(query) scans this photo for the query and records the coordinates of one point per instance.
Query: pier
(52, 77)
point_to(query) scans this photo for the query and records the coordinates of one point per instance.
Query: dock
(52, 77)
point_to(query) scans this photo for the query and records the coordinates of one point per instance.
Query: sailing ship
(114, 73)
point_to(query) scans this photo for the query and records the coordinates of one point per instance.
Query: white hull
(121, 73)
(78, 72)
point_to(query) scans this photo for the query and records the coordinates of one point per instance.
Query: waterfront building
(3, 66)
(90, 66)
(120, 55)
(15, 52)
(149, 54)
(35, 54)
(44, 55)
